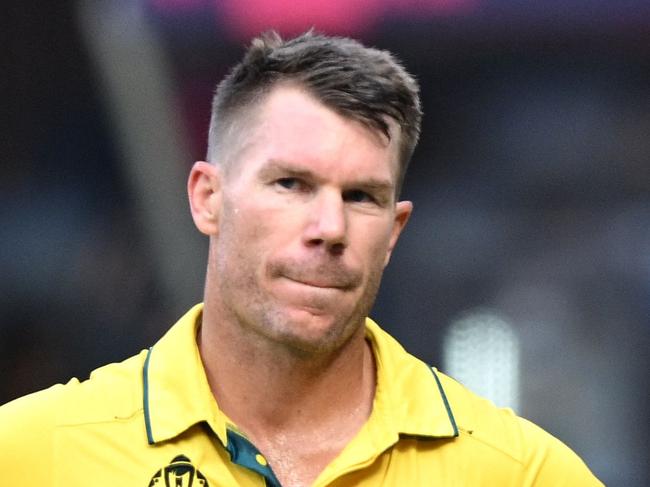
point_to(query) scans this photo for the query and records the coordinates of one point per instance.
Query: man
(279, 378)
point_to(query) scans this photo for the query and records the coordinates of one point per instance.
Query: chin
(309, 333)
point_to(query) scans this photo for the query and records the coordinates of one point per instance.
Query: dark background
(531, 188)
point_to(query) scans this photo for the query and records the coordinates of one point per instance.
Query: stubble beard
(264, 319)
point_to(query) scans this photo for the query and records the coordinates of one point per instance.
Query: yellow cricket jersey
(153, 421)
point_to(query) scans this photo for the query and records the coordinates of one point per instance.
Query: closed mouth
(318, 284)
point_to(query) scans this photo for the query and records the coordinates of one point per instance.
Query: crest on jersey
(179, 473)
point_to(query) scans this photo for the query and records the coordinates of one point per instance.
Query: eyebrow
(274, 165)
(369, 184)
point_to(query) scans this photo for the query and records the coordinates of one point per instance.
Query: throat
(290, 396)
(299, 414)
(298, 451)
(301, 425)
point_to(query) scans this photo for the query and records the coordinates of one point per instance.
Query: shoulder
(112, 390)
(479, 419)
(540, 458)
(28, 425)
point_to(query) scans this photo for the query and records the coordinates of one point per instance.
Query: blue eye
(357, 196)
(288, 183)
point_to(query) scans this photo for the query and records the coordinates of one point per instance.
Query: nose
(327, 222)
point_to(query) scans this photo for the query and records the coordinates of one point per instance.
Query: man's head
(300, 196)
(359, 83)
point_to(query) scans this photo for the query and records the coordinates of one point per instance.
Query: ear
(204, 192)
(403, 210)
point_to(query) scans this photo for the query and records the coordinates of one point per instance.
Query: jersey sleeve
(548, 461)
(26, 438)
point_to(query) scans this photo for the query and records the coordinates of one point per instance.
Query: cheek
(376, 237)
(252, 230)
(370, 249)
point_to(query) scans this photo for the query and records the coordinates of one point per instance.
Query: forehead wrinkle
(252, 125)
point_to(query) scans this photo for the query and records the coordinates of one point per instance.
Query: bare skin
(300, 232)
(292, 410)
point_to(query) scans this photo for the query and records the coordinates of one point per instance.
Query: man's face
(306, 224)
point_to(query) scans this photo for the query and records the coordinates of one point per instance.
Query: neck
(267, 388)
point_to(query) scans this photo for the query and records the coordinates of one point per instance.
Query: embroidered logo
(179, 473)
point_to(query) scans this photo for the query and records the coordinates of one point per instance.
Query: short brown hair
(360, 83)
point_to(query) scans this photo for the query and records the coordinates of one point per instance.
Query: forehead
(290, 124)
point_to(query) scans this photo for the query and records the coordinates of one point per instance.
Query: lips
(319, 283)
(323, 275)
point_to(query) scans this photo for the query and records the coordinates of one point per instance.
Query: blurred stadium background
(526, 268)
